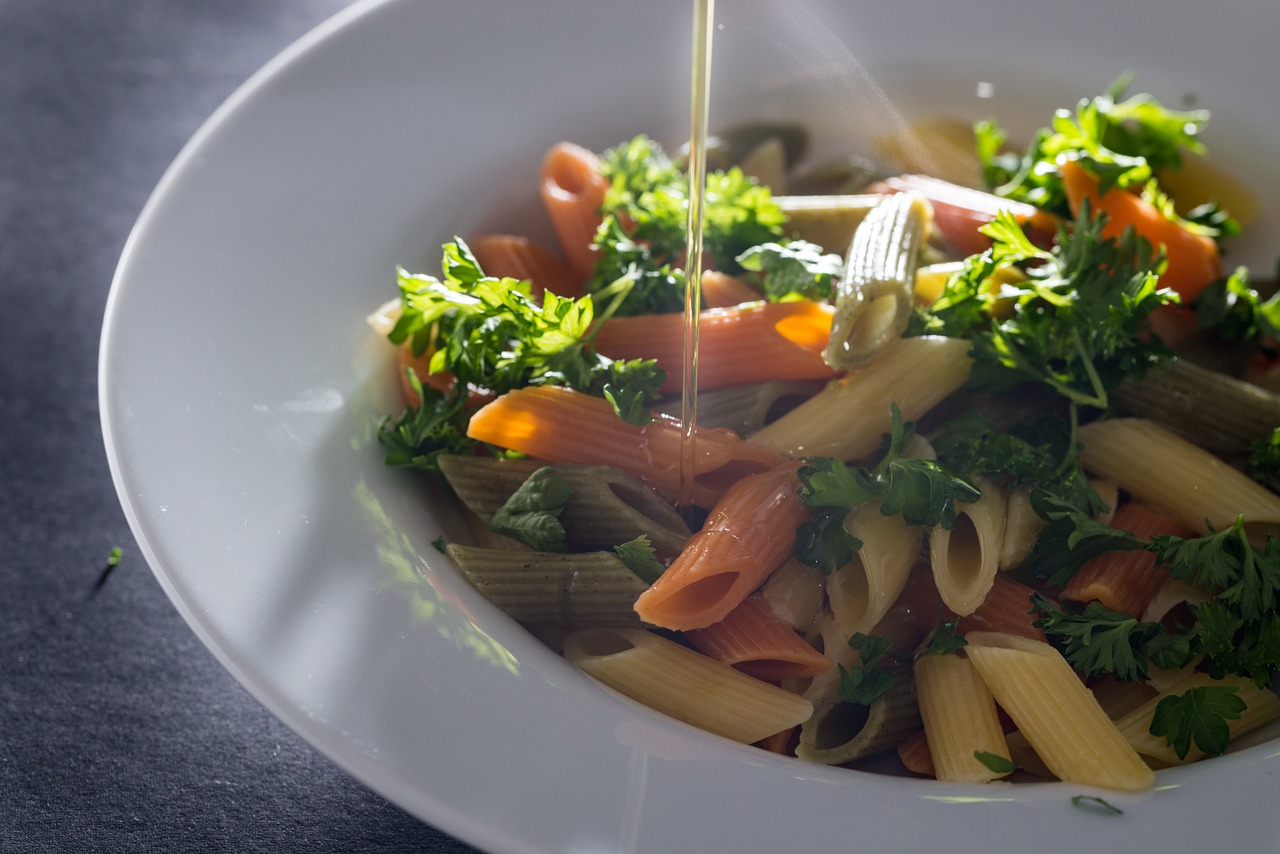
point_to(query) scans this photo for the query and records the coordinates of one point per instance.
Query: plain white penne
(1161, 468)
(960, 718)
(861, 592)
(1021, 525)
(850, 415)
(684, 684)
(1058, 715)
(965, 558)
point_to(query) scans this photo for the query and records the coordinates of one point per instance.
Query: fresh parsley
(1092, 800)
(863, 684)
(923, 492)
(491, 335)
(795, 270)
(1235, 311)
(1072, 537)
(640, 558)
(1098, 641)
(641, 239)
(532, 513)
(1264, 459)
(1074, 323)
(995, 763)
(943, 640)
(1198, 715)
(1125, 142)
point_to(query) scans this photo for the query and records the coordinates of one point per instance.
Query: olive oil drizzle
(703, 15)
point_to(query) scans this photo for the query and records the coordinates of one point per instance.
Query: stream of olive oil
(700, 79)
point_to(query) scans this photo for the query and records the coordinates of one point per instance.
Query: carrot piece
(751, 531)
(753, 639)
(1126, 581)
(518, 257)
(738, 345)
(564, 426)
(1193, 258)
(572, 192)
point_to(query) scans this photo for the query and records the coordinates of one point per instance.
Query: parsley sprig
(1098, 641)
(923, 492)
(1199, 714)
(1074, 324)
(490, 334)
(1124, 141)
(641, 239)
(792, 271)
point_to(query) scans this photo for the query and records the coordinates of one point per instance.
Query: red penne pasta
(572, 192)
(753, 639)
(518, 257)
(739, 345)
(960, 211)
(1004, 610)
(564, 426)
(1126, 581)
(720, 290)
(750, 532)
(916, 756)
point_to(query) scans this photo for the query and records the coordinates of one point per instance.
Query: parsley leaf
(640, 558)
(923, 492)
(995, 762)
(532, 513)
(642, 236)
(1200, 715)
(795, 270)
(1124, 142)
(1085, 800)
(422, 433)
(1264, 459)
(489, 334)
(1235, 311)
(1099, 641)
(863, 684)
(1072, 538)
(944, 640)
(1075, 321)
(1247, 578)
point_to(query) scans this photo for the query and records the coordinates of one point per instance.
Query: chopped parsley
(995, 763)
(795, 270)
(1098, 641)
(491, 335)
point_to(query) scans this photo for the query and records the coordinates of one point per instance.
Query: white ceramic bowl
(240, 388)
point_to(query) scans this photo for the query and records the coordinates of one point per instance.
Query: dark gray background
(118, 730)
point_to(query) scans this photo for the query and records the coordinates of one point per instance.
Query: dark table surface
(118, 730)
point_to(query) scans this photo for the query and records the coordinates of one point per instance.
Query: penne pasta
(685, 684)
(559, 425)
(1021, 526)
(965, 558)
(839, 732)
(1126, 581)
(572, 192)
(751, 531)
(860, 593)
(1167, 472)
(743, 344)
(606, 506)
(848, 418)
(1262, 707)
(745, 409)
(795, 594)
(573, 590)
(1036, 686)
(959, 716)
(756, 641)
(520, 258)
